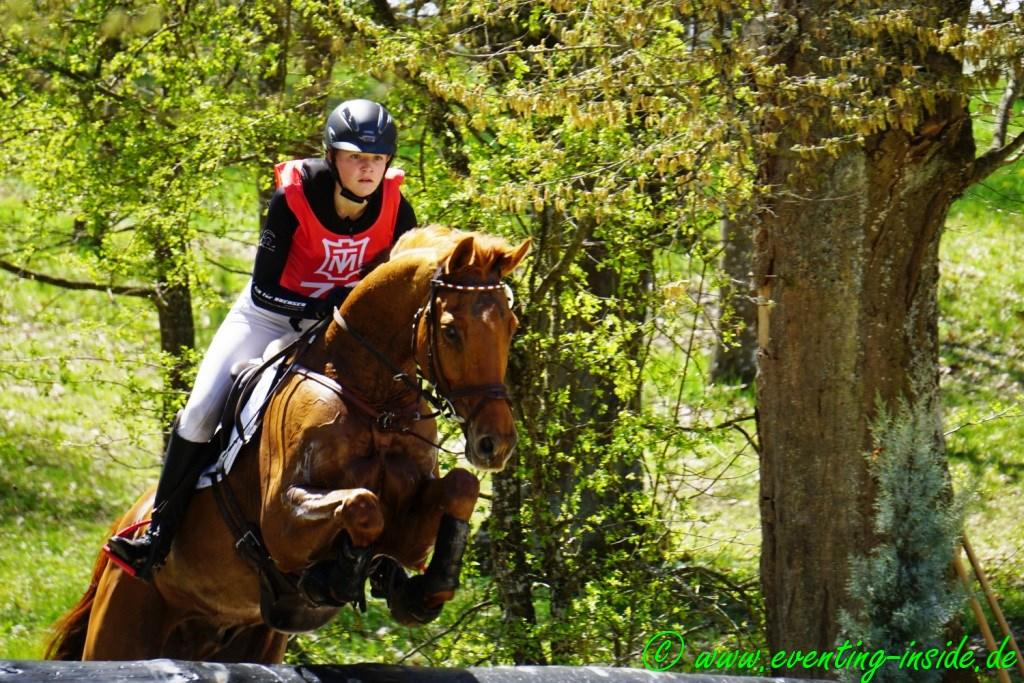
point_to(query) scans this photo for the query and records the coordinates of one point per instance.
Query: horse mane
(438, 241)
(433, 237)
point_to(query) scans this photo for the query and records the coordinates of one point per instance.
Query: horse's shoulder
(309, 402)
(308, 386)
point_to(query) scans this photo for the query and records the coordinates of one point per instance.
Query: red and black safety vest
(320, 260)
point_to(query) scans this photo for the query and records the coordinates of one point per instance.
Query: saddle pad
(250, 418)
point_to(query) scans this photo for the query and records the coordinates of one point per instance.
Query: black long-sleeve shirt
(276, 238)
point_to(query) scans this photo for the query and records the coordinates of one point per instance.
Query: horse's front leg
(318, 516)
(313, 473)
(325, 537)
(442, 511)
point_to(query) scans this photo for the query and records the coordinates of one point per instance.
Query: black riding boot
(184, 461)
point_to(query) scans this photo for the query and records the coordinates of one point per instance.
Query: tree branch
(582, 234)
(51, 67)
(225, 267)
(141, 292)
(1007, 414)
(433, 639)
(1001, 152)
(1010, 95)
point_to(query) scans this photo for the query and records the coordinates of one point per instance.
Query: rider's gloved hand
(324, 307)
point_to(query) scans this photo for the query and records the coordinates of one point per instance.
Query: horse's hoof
(386, 576)
(408, 603)
(346, 578)
(285, 609)
(292, 614)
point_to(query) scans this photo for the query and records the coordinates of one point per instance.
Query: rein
(398, 375)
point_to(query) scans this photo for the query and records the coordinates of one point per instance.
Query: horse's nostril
(486, 446)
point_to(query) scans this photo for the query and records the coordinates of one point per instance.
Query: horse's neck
(381, 311)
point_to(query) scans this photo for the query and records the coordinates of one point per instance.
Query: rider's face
(360, 172)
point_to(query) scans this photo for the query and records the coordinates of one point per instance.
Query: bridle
(439, 392)
(486, 392)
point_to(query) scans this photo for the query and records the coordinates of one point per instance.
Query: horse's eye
(450, 333)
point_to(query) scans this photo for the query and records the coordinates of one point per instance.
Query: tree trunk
(852, 279)
(177, 337)
(594, 403)
(736, 362)
(847, 256)
(511, 569)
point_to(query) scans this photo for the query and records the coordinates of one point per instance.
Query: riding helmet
(361, 126)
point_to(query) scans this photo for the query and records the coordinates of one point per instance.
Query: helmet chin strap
(345, 192)
(352, 196)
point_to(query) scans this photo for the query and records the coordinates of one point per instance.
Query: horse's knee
(461, 489)
(362, 517)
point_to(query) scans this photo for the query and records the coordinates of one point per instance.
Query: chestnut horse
(343, 484)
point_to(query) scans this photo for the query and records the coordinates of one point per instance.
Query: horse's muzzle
(487, 450)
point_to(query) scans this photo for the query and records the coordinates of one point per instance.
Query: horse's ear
(511, 258)
(461, 256)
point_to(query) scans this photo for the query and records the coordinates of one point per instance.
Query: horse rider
(327, 219)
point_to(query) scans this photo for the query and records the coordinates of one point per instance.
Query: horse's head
(463, 338)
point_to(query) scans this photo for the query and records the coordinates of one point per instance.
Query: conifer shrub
(904, 584)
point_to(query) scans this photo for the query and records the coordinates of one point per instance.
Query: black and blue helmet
(361, 126)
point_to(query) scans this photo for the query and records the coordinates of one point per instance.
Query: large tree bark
(177, 331)
(847, 270)
(852, 279)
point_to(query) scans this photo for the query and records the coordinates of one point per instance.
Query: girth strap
(248, 539)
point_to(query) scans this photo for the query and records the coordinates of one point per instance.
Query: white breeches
(244, 334)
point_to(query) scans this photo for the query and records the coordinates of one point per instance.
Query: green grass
(982, 333)
(717, 471)
(54, 520)
(70, 461)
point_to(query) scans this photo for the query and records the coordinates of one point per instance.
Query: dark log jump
(174, 671)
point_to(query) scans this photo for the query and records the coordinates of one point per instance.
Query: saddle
(241, 416)
(249, 379)
(246, 377)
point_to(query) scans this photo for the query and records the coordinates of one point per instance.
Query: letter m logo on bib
(342, 260)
